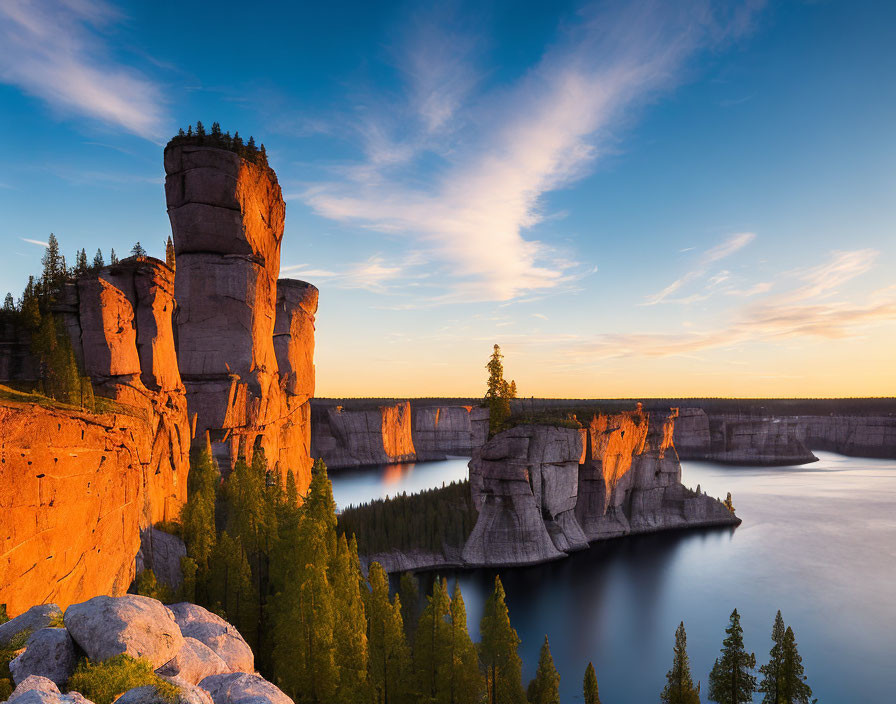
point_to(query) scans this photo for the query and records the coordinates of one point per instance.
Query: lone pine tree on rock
(498, 392)
(731, 680)
(679, 687)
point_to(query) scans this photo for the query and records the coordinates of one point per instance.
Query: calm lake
(817, 541)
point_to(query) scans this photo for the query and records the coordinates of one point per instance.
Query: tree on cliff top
(679, 685)
(731, 680)
(137, 250)
(498, 392)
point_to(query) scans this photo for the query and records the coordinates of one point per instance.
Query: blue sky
(633, 199)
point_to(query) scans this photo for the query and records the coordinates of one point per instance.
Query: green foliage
(3, 616)
(731, 680)
(104, 681)
(795, 689)
(7, 654)
(221, 140)
(589, 686)
(137, 250)
(465, 681)
(430, 521)
(679, 687)
(498, 392)
(498, 651)
(728, 503)
(148, 585)
(410, 604)
(772, 671)
(431, 646)
(545, 688)
(389, 663)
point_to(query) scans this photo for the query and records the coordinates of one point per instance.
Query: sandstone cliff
(360, 437)
(736, 439)
(77, 487)
(544, 491)
(245, 340)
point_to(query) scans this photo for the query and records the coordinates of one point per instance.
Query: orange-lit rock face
(74, 491)
(245, 343)
(396, 425)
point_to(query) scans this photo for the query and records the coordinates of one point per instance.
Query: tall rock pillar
(227, 218)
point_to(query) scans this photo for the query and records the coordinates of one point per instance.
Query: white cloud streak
(56, 51)
(499, 153)
(39, 243)
(720, 251)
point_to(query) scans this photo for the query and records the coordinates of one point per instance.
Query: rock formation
(248, 388)
(358, 437)
(736, 439)
(544, 491)
(201, 654)
(76, 488)
(358, 433)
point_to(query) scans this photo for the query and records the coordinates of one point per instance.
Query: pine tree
(230, 587)
(465, 682)
(98, 262)
(773, 670)
(431, 654)
(546, 685)
(498, 651)
(498, 391)
(216, 130)
(137, 250)
(54, 271)
(169, 251)
(81, 265)
(113, 258)
(200, 129)
(350, 653)
(794, 688)
(389, 662)
(731, 680)
(590, 686)
(728, 503)
(9, 304)
(198, 514)
(679, 685)
(410, 604)
(251, 149)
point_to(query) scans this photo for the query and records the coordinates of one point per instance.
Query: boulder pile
(189, 647)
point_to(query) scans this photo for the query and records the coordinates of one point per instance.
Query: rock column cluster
(245, 339)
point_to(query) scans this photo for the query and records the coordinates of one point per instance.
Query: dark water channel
(818, 542)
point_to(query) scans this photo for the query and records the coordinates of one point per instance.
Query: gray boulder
(194, 663)
(40, 690)
(216, 633)
(49, 653)
(161, 552)
(137, 625)
(148, 694)
(242, 688)
(33, 619)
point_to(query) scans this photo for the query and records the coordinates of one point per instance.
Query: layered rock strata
(351, 435)
(544, 491)
(361, 437)
(76, 488)
(245, 340)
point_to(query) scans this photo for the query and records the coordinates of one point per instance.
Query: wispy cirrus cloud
(463, 172)
(58, 52)
(372, 274)
(39, 243)
(729, 246)
(812, 307)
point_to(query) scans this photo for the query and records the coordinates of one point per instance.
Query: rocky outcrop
(736, 439)
(204, 671)
(227, 217)
(544, 491)
(439, 431)
(358, 437)
(50, 653)
(134, 625)
(856, 436)
(35, 618)
(161, 552)
(75, 489)
(359, 433)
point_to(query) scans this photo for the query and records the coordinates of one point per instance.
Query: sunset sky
(633, 200)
